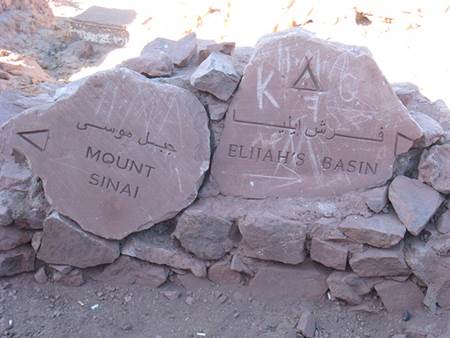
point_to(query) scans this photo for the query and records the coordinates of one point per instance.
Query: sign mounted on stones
(310, 118)
(119, 154)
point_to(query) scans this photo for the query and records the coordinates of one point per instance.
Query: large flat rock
(310, 118)
(118, 155)
(381, 231)
(64, 243)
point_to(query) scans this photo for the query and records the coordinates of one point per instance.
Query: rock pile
(365, 214)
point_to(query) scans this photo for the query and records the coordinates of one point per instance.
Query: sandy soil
(202, 309)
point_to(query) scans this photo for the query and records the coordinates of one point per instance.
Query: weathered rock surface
(204, 233)
(306, 281)
(301, 117)
(273, 238)
(23, 69)
(127, 271)
(430, 262)
(180, 52)
(216, 75)
(152, 64)
(306, 325)
(376, 198)
(434, 167)
(5, 216)
(381, 231)
(328, 253)
(374, 262)
(414, 202)
(129, 137)
(432, 130)
(399, 296)
(64, 242)
(349, 287)
(11, 237)
(41, 276)
(413, 100)
(161, 249)
(16, 261)
(207, 48)
(443, 223)
(221, 273)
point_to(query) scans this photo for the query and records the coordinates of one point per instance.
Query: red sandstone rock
(11, 237)
(349, 287)
(216, 75)
(434, 167)
(152, 64)
(430, 267)
(223, 47)
(103, 151)
(310, 118)
(63, 242)
(221, 273)
(180, 52)
(271, 237)
(376, 198)
(161, 249)
(306, 325)
(413, 100)
(204, 233)
(306, 281)
(328, 253)
(374, 262)
(126, 271)
(381, 231)
(432, 130)
(16, 261)
(414, 202)
(400, 296)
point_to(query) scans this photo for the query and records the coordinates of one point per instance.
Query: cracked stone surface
(118, 155)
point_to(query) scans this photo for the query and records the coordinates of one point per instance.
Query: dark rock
(161, 249)
(64, 242)
(414, 202)
(16, 261)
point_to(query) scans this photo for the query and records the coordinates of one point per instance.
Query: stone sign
(119, 155)
(310, 118)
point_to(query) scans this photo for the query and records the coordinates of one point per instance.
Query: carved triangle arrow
(307, 79)
(37, 138)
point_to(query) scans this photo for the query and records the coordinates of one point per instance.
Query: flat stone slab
(310, 118)
(64, 243)
(381, 231)
(119, 155)
(414, 202)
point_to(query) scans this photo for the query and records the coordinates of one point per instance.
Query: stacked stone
(392, 239)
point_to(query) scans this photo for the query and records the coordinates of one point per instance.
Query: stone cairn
(291, 168)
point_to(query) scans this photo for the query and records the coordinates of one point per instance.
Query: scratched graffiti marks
(310, 118)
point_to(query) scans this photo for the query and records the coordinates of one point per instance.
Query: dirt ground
(202, 309)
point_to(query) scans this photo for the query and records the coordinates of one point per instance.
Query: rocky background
(389, 245)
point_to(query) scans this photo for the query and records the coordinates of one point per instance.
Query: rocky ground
(189, 308)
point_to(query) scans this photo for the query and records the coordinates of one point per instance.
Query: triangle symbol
(37, 138)
(307, 80)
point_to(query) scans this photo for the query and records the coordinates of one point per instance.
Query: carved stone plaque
(310, 118)
(119, 155)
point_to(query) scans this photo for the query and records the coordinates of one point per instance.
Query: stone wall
(387, 234)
